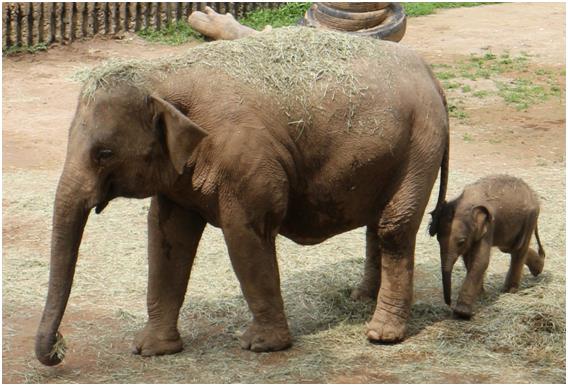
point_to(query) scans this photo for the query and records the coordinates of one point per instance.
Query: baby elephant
(499, 211)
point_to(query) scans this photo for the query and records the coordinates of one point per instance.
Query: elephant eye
(102, 154)
(461, 242)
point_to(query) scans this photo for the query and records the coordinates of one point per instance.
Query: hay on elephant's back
(286, 62)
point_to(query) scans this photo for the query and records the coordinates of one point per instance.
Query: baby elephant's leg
(534, 262)
(515, 271)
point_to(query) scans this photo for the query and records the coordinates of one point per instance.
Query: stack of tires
(386, 21)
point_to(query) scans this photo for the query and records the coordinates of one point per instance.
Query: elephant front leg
(473, 282)
(173, 237)
(369, 286)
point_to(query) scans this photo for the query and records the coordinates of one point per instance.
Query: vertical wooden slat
(40, 21)
(95, 18)
(137, 16)
(62, 22)
(72, 32)
(126, 17)
(187, 10)
(116, 17)
(179, 11)
(158, 16)
(84, 20)
(106, 17)
(147, 10)
(8, 30)
(18, 20)
(168, 13)
(30, 24)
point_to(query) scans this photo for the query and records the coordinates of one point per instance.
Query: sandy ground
(38, 105)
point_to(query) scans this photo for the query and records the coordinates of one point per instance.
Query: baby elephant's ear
(481, 219)
(181, 135)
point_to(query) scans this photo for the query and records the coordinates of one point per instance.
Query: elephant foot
(512, 289)
(363, 294)
(149, 342)
(463, 311)
(386, 328)
(262, 338)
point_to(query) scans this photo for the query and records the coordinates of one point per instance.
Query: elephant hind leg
(369, 286)
(397, 230)
(534, 261)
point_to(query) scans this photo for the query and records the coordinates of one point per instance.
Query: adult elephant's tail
(433, 227)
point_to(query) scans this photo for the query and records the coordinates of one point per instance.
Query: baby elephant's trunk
(447, 282)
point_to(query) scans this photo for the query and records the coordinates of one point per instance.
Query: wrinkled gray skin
(499, 211)
(210, 149)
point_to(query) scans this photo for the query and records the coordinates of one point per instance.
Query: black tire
(348, 21)
(392, 28)
(357, 6)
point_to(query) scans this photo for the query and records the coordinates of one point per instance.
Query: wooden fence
(28, 24)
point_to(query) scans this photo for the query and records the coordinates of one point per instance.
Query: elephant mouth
(107, 193)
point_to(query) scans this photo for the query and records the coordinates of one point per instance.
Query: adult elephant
(297, 132)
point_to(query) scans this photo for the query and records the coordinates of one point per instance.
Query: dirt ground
(107, 304)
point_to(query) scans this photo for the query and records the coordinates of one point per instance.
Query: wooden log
(40, 23)
(84, 19)
(179, 11)
(107, 17)
(126, 17)
(8, 24)
(168, 13)
(116, 17)
(30, 24)
(147, 11)
(95, 18)
(158, 16)
(137, 16)
(18, 20)
(72, 32)
(62, 29)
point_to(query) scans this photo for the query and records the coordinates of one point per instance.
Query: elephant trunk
(71, 211)
(447, 282)
(449, 258)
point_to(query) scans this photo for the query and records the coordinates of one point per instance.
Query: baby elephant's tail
(541, 252)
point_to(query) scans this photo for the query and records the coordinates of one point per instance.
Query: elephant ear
(482, 219)
(180, 134)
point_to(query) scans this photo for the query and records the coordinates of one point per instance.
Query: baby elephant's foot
(262, 338)
(150, 342)
(386, 328)
(511, 288)
(364, 294)
(464, 311)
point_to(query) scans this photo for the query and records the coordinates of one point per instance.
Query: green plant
(522, 92)
(285, 15)
(466, 88)
(19, 49)
(421, 9)
(467, 137)
(174, 34)
(456, 111)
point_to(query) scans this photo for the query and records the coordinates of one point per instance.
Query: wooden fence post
(40, 22)
(30, 24)
(8, 30)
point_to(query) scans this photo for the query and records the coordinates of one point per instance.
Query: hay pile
(286, 62)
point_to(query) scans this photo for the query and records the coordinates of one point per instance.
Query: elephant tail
(433, 226)
(541, 252)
